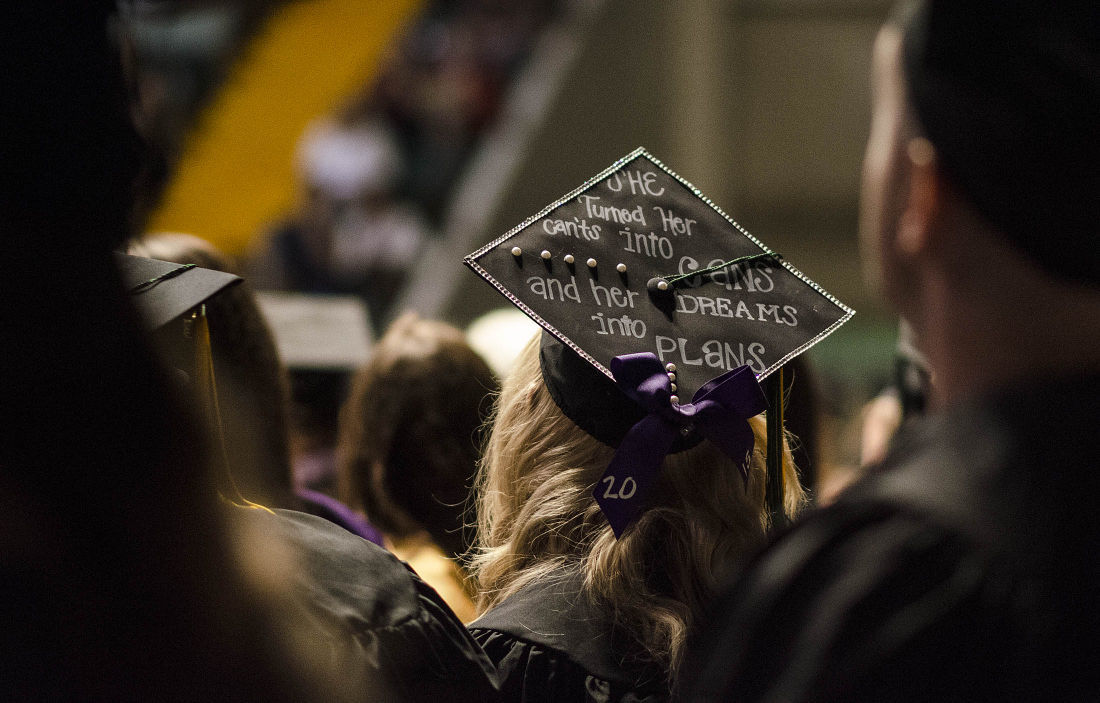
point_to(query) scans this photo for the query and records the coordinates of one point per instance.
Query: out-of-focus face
(884, 186)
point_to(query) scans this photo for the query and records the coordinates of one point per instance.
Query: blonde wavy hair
(536, 515)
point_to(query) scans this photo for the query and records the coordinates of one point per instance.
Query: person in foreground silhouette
(123, 576)
(963, 566)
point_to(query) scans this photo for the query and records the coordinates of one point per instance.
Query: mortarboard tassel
(774, 492)
(207, 391)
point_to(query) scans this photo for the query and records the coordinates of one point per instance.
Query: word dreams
(724, 307)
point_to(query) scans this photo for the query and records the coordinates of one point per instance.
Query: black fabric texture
(380, 616)
(1008, 91)
(550, 643)
(963, 568)
(590, 399)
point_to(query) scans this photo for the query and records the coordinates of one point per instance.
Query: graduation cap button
(657, 285)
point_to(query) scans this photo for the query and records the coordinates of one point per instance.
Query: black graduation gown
(549, 643)
(375, 613)
(966, 567)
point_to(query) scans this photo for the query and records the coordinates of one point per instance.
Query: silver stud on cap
(569, 258)
(516, 251)
(621, 268)
(674, 399)
(546, 254)
(670, 367)
(591, 263)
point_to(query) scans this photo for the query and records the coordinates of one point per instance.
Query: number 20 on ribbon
(627, 488)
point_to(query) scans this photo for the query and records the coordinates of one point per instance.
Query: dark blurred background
(290, 134)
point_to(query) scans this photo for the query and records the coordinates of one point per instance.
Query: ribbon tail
(624, 489)
(735, 439)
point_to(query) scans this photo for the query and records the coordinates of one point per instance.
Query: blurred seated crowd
(187, 517)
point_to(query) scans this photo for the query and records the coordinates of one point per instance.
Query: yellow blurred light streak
(237, 175)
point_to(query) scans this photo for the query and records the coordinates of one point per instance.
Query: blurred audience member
(904, 399)
(963, 566)
(251, 383)
(252, 392)
(351, 235)
(445, 83)
(410, 436)
(315, 410)
(122, 577)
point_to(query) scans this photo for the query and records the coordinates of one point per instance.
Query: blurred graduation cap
(318, 332)
(322, 340)
(165, 291)
(638, 262)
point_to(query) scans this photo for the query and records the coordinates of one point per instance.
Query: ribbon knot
(719, 411)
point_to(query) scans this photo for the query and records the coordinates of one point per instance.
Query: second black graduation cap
(164, 291)
(638, 260)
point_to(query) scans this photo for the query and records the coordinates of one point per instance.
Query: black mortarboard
(635, 261)
(164, 291)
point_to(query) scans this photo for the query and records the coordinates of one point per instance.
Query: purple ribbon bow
(719, 411)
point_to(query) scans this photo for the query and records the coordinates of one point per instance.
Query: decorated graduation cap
(660, 316)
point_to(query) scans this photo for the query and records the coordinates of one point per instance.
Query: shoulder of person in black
(960, 569)
(551, 643)
(379, 615)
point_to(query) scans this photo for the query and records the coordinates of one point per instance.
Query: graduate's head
(410, 431)
(629, 439)
(985, 115)
(251, 383)
(537, 512)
